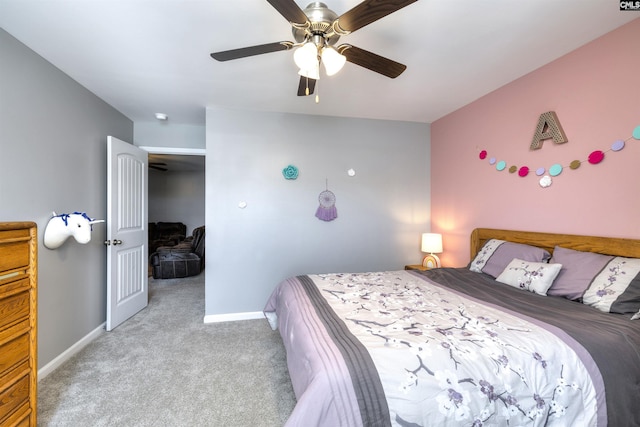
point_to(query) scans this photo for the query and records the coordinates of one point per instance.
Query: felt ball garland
(594, 158)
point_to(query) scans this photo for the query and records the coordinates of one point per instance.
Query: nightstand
(416, 267)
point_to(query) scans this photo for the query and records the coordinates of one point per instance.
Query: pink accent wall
(595, 92)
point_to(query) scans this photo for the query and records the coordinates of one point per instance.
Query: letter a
(548, 128)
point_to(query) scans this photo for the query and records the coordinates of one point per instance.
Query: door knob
(117, 242)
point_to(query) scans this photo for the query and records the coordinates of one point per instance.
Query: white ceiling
(148, 56)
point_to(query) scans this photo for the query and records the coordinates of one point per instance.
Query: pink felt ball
(596, 157)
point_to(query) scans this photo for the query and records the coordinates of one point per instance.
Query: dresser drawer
(26, 420)
(14, 308)
(18, 324)
(13, 255)
(13, 352)
(15, 397)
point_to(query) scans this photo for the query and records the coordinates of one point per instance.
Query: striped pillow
(616, 289)
(496, 255)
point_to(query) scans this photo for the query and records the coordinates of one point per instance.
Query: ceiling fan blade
(306, 82)
(370, 60)
(228, 55)
(367, 12)
(291, 12)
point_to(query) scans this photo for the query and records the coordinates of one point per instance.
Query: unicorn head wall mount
(61, 227)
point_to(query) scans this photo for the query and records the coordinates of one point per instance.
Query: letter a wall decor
(548, 128)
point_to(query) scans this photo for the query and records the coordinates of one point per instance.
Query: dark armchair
(183, 259)
(165, 234)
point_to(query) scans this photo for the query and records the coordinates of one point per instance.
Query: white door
(127, 263)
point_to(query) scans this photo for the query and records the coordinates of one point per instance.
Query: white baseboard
(215, 318)
(70, 352)
(84, 341)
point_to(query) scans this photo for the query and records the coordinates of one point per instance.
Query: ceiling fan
(158, 166)
(316, 29)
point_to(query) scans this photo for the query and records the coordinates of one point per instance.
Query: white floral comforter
(445, 359)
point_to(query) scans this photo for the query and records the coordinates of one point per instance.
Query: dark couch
(183, 259)
(165, 234)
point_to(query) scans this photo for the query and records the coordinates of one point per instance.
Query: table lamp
(431, 243)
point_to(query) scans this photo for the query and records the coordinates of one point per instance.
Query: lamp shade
(432, 242)
(332, 60)
(306, 56)
(312, 73)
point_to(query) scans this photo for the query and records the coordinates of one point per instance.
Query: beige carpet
(165, 367)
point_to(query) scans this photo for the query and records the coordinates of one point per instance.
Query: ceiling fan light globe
(332, 60)
(306, 56)
(312, 73)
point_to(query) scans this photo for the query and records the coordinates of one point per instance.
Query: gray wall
(167, 134)
(174, 196)
(382, 211)
(53, 154)
(177, 196)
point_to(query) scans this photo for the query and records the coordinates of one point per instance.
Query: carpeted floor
(165, 367)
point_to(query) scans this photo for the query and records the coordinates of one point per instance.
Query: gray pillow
(496, 255)
(578, 271)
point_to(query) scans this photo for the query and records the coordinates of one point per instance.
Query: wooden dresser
(18, 327)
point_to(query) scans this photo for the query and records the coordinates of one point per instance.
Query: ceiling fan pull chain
(318, 92)
(306, 92)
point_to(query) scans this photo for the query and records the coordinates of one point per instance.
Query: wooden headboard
(603, 245)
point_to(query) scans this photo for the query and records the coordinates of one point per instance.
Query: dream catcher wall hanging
(327, 210)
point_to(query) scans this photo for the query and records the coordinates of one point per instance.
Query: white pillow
(528, 275)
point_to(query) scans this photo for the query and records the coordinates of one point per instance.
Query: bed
(536, 330)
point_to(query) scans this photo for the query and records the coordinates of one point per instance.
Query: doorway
(176, 188)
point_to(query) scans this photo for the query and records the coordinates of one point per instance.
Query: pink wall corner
(595, 92)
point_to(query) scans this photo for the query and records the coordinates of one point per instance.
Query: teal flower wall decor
(290, 172)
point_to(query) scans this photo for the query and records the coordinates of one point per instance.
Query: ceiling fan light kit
(332, 60)
(310, 73)
(316, 29)
(306, 56)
